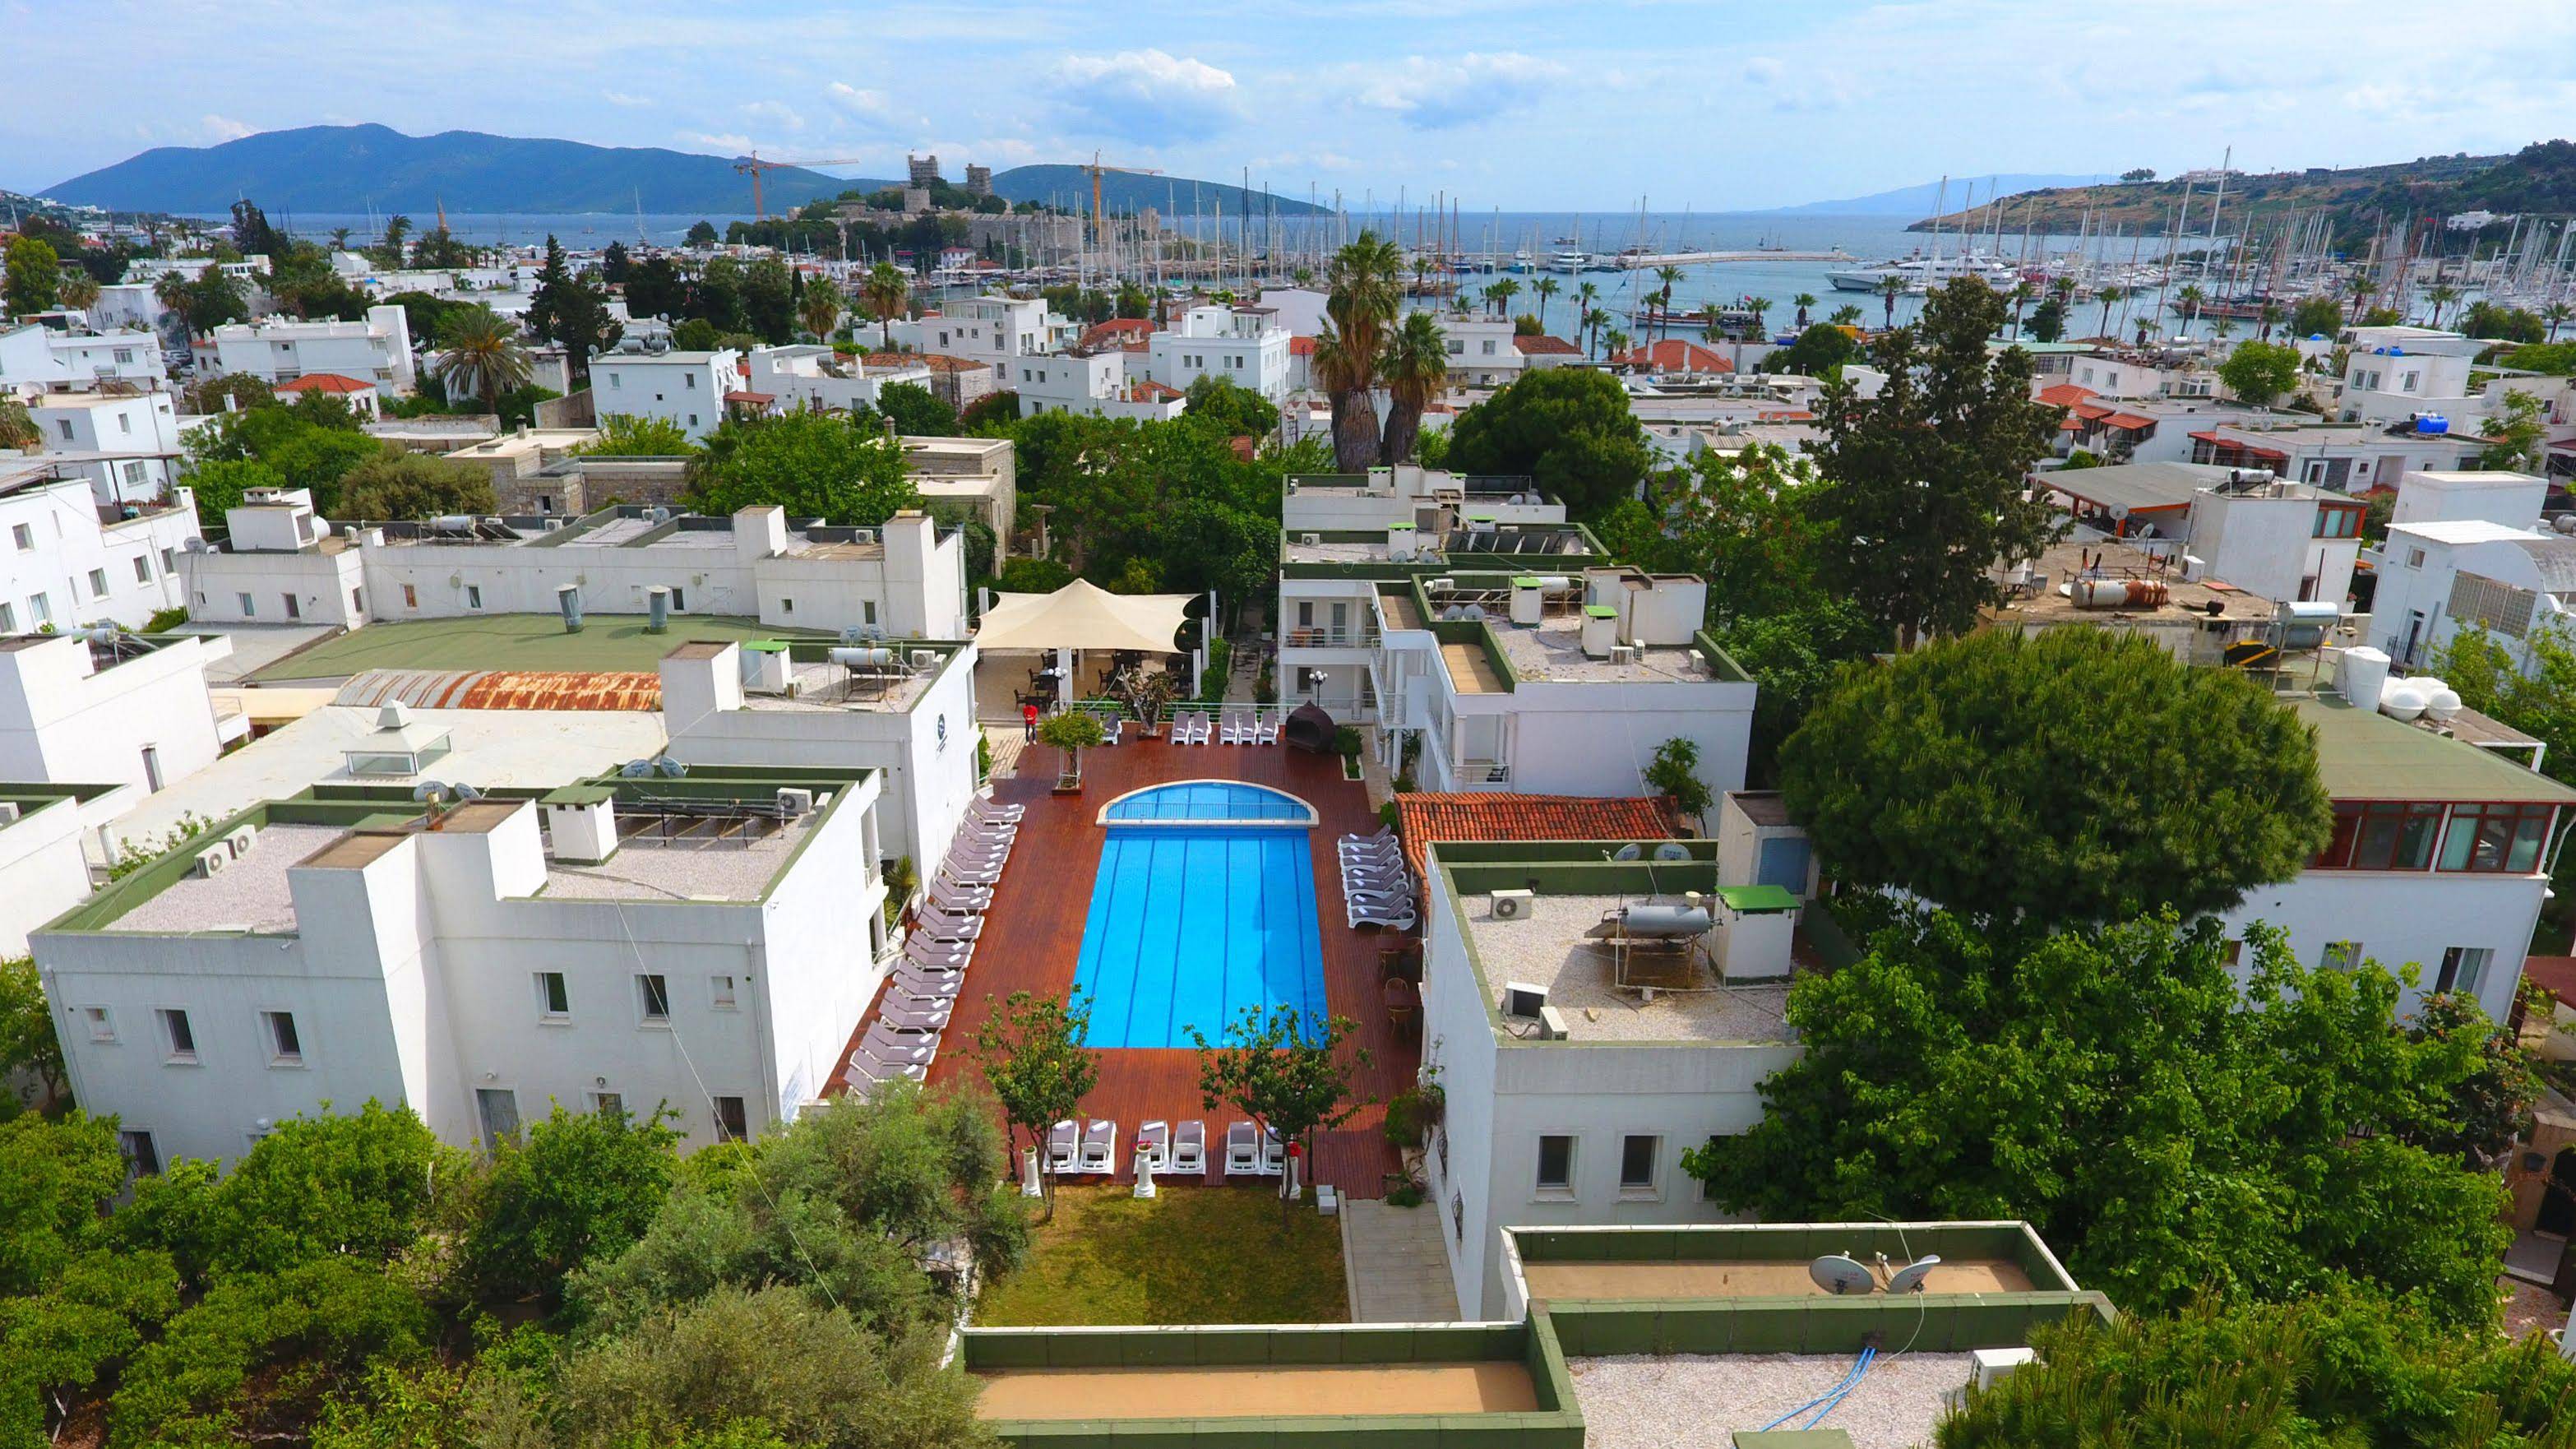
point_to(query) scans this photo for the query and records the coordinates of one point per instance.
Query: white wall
(43, 870)
(686, 388)
(2403, 917)
(64, 542)
(376, 350)
(63, 721)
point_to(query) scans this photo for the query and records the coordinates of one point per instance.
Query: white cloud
(865, 105)
(1431, 93)
(621, 98)
(727, 143)
(777, 113)
(225, 128)
(1145, 95)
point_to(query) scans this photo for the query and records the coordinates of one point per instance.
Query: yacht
(1919, 273)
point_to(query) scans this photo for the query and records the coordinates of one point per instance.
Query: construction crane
(752, 166)
(1096, 168)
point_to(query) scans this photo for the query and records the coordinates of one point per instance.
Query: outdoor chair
(1064, 1143)
(1154, 1145)
(1242, 1150)
(1099, 1148)
(1189, 1149)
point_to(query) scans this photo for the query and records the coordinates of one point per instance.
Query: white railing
(1320, 636)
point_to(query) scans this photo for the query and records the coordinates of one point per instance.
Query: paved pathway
(1398, 1273)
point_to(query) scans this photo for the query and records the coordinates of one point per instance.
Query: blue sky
(1717, 104)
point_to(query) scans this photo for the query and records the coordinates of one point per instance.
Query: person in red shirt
(1029, 721)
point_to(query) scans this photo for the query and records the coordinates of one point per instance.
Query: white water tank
(2441, 701)
(2362, 674)
(863, 658)
(1600, 630)
(1529, 603)
(2404, 699)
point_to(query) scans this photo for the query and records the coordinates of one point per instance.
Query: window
(554, 997)
(142, 1159)
(679, 598)
(2381, 835)
(294, 610)
(1556, 1166)
(98, 583)
(40, 610)
(614, 385)
(102, 1027)
(499, 1109)
(134, 473)
(178, 1035)
(608, 1104)
(2464, 969)
(731, 1124)
(411, 597)
(152, 768)
(656, 991)
(357, 602)
(787, 606)
(1457, 347)
(66, 425)
(693, 420)
(474, 596)
(1489, 347)
(1637, 1153)
(722, 992)
(169, 560)
(25, 537)
(249, 610)
(143, 568)
(2414, 558)
(285, 1044)
(2495, 839)
(689, 380)
(868, 612)
(2341, 956)
(1457, 1217)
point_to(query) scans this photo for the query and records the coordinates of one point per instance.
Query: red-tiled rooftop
(326, 382)
(1301, 347)
(1424, 820)
(1675, 354)
(1117, 332)
(2065, 394)
(755, 399)
(1546, 346)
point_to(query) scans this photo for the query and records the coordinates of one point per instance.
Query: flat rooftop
(608, 643)
(2187, 605)
(2365, 755)
(1256, 1391)
(702, 864)
(1549, 949)
(1552, 650)
(251, 895)
(1642, 1402)
(1667, 1278)
(821, 685)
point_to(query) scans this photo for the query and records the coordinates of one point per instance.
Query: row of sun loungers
(1231, 726)
(921, 994)
(1376, 888)
(1088, 1149)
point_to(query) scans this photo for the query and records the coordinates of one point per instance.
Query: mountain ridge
(1919, 200)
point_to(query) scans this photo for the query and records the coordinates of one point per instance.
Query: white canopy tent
(1082, 615)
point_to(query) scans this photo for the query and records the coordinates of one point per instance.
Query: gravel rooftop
(644, 869)
(250, 895)
(1549, 949)
(1651, 1403)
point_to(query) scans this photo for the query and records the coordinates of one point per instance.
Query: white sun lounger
(1242, 1150)
(986, 808)
(977, 852)
(932, 987)
(865, 1068)
(1390, 918)
(941, 925)
(1064, 1146)
(1099, 1148)
(976, 875)
(1154, 1144)
(938, 955)
(1189, 1149)
(1274, 1154)
(1265, 730)
(1113, 730)
(891, 1047)
(1233, 729)
(915, 1014)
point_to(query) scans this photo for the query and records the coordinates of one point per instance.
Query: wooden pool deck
(1034, 938)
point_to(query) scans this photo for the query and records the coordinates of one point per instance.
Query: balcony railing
(1320, 636)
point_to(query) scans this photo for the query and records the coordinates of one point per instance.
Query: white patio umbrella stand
(1029, 1185)
(1144, 1172)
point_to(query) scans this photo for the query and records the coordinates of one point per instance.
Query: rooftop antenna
(1910, 1278)
(1840, 1274)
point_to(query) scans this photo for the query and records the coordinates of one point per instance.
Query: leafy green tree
(1226, 404)
(220, 483)
(2048, 320)
(34, 277)
(1926, 479)
(2013, 777)
(696, 334)
(227, 392)
(1568, 429)
(583, 1188)
(2169, 1133)
(571, 311)
(916, 411)
(769, 300)
(615, 263)
(814, 465)
(2260, 373)
(1286, 1071)
(29, 1051)
(1743, 522)
(655, 288)
(319, 458)
(1820, 351)
(1031, 1051)
(715, 297)
(627, 435)
(1674, 771)
(702, 233)
(2316, 317)
(18, 427)
(414, 485)
(2341, 1367)
(2555, 358)
(2517, 429)
(1205, 543)
(989, 416)
(1795, 655)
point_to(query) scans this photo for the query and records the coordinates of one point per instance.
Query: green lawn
(608, 643)
(1192, 1255)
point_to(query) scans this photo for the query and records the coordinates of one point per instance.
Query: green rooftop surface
(2365, 755)
(1758, 899)
(608, 643)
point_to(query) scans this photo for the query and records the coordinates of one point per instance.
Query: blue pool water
(1190, 924)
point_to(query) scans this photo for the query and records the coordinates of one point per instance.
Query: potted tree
(1071, 731)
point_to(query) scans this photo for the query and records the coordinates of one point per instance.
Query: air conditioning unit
(1551, 1024)
(240, 841)
(1990, 1366)
(796, 802)
(212, 860)
(1310, 540)
(925, 659)
(1522, 1001)
(1512, 905)
(8, 812)
(863, 535)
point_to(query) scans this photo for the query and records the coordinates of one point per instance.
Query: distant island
(2539, 178)
(1923, 199)
(358, 168)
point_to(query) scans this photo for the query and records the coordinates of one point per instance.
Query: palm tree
(2360, 287)
(1889, 289)
(339, 238)
(1670, 277)
(820, 307)
(1594, 319)
(1414, 368)
(2222, 326)
(1585, 294)
(2107, 296)
(2145, 323)
(2441, 294)
(2269, 314)
(1802, 302)
(1304, 276)
(395, 232)
(1545, 287)
(887, 292)
(2191, 296)
(484, 357)
(79, 291)
(1846, 315)
(2556, 312)
(1421, 275)
(2021, 293)
(1503, 293)
(1757, 306)
(1615, 340)
(1365, 292)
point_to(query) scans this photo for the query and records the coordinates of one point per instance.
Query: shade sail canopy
(1082, 615)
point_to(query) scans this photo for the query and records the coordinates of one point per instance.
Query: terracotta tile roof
(1676, 354)
(1152, 391)
(1117, 331)
(756, 399)
(1547, 346)
(326, 382)
(2064, 394)
(1301, 347)
(1422, 819)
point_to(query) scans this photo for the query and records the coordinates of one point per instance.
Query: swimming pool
(1192, 922)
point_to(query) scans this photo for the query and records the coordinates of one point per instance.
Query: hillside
(2539, 178)
(1917, 200)
(355, 168)
(1070, 187)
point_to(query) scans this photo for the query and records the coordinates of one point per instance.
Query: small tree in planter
(1675, 771)
(1286, 1072)
(1033, 1055)
(1071, 731)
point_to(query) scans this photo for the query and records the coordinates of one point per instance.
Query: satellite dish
(1672, 850)
(1838, 1275)
(428, 791)
(635, 769)
(468, 792)
(1628, 851)
(1909, 1279)
(671, 769)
